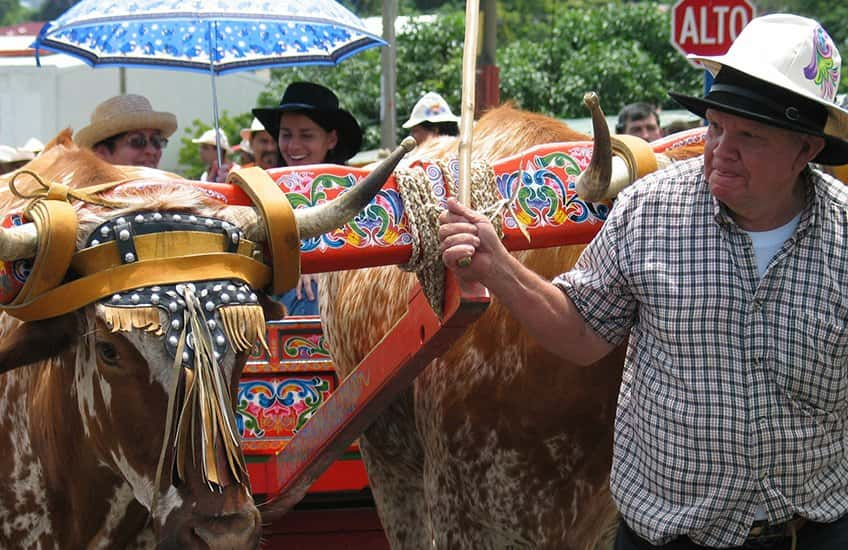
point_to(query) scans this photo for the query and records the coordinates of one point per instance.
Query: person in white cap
(262, 145)
(726, 276)
(431, 117)
(126, 130)
(209, 156)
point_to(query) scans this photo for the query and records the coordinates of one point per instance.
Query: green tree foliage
(11, 12)
(622, 51)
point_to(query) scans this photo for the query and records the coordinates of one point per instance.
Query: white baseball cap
(430, 108)
(208, 138)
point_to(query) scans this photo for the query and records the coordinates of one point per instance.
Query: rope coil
(422, 211)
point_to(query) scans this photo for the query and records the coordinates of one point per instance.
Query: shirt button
(763, 475)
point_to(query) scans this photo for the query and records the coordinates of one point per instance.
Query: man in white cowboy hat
(209, 156)
(728, 275)
(431, 117)
(261, 145)
(126, 130)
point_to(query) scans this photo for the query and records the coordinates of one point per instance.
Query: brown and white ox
(499, 443)
(83, 409)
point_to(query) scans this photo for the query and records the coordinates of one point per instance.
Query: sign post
(708, 27)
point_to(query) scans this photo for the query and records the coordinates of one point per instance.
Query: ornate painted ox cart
(297, 421)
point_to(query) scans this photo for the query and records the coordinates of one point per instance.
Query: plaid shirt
(734, 388)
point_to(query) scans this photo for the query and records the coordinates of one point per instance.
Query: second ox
(498, 444)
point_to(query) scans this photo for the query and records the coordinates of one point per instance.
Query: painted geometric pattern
(276, 407)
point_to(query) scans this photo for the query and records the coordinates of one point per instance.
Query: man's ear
(810, 149)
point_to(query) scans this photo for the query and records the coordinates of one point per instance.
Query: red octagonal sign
(708, 27)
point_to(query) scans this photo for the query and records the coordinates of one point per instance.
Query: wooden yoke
(540, 180)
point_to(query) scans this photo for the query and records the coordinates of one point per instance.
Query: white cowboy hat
(121, 114)
(208, 138)
(430, 108)
(255, 126)
(781, 70)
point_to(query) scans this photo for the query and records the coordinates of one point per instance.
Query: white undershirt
(766, 245)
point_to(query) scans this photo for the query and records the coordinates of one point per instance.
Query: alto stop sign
(708, 27)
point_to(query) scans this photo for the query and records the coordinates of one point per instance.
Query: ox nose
(232, 531)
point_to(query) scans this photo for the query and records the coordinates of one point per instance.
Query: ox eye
(107, 353)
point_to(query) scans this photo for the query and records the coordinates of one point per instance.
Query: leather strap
(280, 225)
(56, 224)
(171, 244)
(81, 292)
(636, 152)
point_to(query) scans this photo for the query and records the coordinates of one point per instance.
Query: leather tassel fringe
(129, 318)
(206, 403)
(244, 325)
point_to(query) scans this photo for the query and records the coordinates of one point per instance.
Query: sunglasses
(140, 141)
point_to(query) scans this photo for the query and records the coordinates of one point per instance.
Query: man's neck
(774, 214)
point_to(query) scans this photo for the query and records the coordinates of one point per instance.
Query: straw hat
(255, 126)
(430, 108)
(322, 106)
(121, 114)
(208, 138)
(782, 70)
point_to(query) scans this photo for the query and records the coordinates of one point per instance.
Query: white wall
(40, 101)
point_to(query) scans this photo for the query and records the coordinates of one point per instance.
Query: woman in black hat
(310, 128)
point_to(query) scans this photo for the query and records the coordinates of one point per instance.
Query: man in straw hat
(126, 130)
(728, 274)
(431, 117)
(209, 156)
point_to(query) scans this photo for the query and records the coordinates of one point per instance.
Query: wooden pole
(469, 80)
(388, 78)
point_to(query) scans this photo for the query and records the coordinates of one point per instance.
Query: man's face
(135, 148)
(421, 134)
(208, 154)
(264, 149)
(647, 128)
(753, 168)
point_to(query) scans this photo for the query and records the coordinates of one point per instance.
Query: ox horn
(593, 183)
(18, 242)
(616, 161)
(315, 221)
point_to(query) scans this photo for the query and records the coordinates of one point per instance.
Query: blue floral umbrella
(214, 36)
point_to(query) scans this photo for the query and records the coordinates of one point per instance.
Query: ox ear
(37, 340)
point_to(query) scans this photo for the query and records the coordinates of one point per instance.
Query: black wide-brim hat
(782, 70)
(738, 94)
(322, 106)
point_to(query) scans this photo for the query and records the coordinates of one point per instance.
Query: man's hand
(304, 287)
(469, 244)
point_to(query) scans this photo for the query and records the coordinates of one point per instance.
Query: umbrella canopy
(218, 36)
(214, 36)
